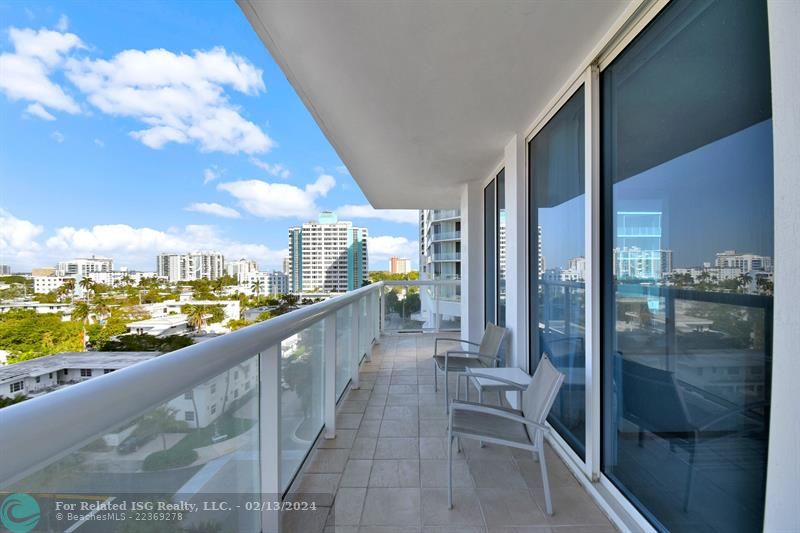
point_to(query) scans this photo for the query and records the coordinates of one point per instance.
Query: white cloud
(137, 247)
(57, 136)
(25, 73)
(63, 23)
(210, 174)
(402, 216)
(279, 200)
(37, 110)
(179, 98)
(277, 170)
(381, 248)
(214, 209)
(341, 169)
(100, 143)
(18, 245)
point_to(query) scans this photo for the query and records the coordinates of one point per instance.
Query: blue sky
(130, 128)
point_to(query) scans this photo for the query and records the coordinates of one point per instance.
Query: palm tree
(256, 286)
(101, 308)
(82, 313)
(69, 286)
(195, 316)
(161, 420)
(87, 285)
(743, 281)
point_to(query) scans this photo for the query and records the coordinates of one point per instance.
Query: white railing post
(269, 433)
(355, 345)
(383, 308)
(329, 347)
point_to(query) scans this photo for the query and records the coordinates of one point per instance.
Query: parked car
(133, 443)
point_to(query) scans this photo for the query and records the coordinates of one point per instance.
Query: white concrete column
(516, 246)
(783, 468)
(472, 260)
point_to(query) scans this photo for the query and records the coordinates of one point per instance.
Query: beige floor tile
(348, 420)
(391, 507)
(433, 448)
(348, 506)
(395, 473)
(397, 448)
(510, 507)
(369, 428)
(497, 473)
(327, 461)
(356, 473)
(433, 474)
(466, 509)
(363, 448)
(344, 439)
(408, 427)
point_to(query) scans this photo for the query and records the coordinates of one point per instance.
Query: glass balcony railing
(444, 214)
(447, 256)
(230, 420)
(421, 305)
(446, 236)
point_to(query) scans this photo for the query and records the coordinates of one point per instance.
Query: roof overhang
(420, 97)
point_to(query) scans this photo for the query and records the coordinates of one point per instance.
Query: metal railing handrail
(45, 428)
(421, 282)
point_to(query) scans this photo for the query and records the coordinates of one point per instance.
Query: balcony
(446, 236)
(445, 214)
(314, 406)
(447, 256)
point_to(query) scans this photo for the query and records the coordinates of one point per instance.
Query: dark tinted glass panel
(556, 185)
(489, 261)
(688, 245)
(501, 248)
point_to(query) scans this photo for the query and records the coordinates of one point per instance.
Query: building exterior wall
(327, 256)
(190, 266)
(84, 266)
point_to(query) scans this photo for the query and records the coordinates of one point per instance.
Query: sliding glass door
(687, 266)
(557, 278)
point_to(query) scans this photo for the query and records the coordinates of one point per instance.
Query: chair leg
(458, 386)
(435, 378)
(548, 502)
(450, 468)
(446, 391)
(480, 401)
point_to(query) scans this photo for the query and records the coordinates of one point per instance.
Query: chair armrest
(502, 412)
(447, 339)
(464, 352)
(508, 382)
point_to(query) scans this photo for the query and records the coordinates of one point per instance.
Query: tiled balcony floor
(388, 464)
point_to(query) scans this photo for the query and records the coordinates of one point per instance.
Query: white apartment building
(190, 266)
(327, 256)
(399, 265)
(118, 277)
(272, 283)
(744, 263)
(241, 269)
(82, 267)
(45, 284)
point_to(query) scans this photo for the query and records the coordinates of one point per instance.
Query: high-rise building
(241, 269)
(81, 267)
(272, 283)
(440, 244)
(190, 266)
(399, 265)
(287, 265)
(5, 270)
(327, 256)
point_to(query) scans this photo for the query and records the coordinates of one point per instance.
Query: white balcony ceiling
(418, 97)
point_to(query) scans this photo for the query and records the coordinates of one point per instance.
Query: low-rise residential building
(161, 326)
(45, 374)
(45, 284)
(272, 283)
(41, 308)
(230, 308)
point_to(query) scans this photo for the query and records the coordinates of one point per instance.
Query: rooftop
(69, 360)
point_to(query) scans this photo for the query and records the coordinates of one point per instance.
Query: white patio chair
(508, 427)
(487, 355)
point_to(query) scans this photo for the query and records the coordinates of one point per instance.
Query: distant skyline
(134, 128)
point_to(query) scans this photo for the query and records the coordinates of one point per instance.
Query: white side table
(512, 379)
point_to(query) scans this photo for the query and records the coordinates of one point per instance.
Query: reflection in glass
(200, 446)
(489, 251)
(301, 416)
(558, 286)
(501, 248)
(687, 177)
